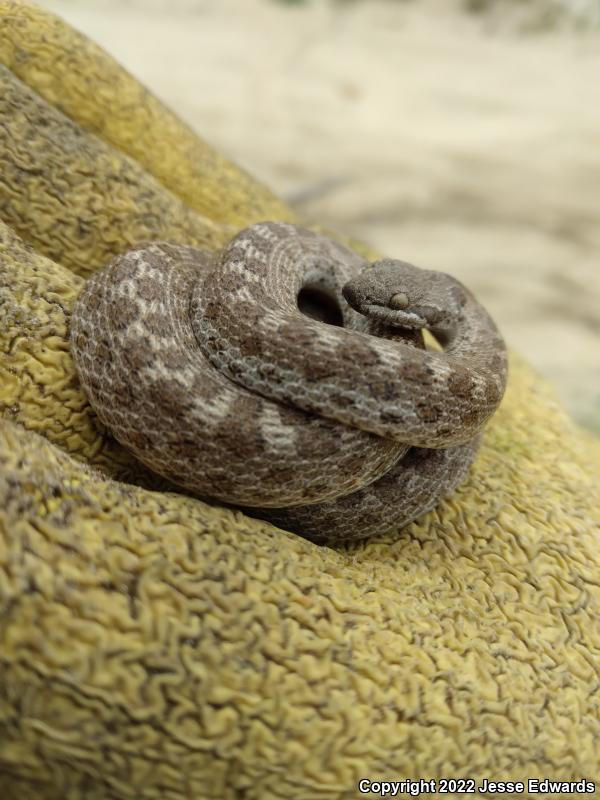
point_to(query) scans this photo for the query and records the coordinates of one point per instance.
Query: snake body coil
(207, 370)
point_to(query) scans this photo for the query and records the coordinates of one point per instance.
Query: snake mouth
(398, 318)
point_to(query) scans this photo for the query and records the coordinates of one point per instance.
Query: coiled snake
(215, 372)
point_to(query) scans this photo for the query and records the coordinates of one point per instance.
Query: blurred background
(461, 135)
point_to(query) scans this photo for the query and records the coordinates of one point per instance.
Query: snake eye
(398, 300)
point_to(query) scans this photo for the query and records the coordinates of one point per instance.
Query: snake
(288, 377)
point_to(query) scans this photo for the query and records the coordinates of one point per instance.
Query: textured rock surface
(152, 646)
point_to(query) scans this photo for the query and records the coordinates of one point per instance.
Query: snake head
(402, 295)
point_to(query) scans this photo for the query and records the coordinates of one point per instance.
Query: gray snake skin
(289, 377)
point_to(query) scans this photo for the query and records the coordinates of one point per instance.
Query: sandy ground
(466, 142)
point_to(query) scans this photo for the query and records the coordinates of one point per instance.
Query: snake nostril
(320, 305)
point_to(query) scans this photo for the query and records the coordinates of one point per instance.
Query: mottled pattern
(205, 368)
(149, 382)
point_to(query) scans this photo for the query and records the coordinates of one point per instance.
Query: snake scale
(289, 377)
